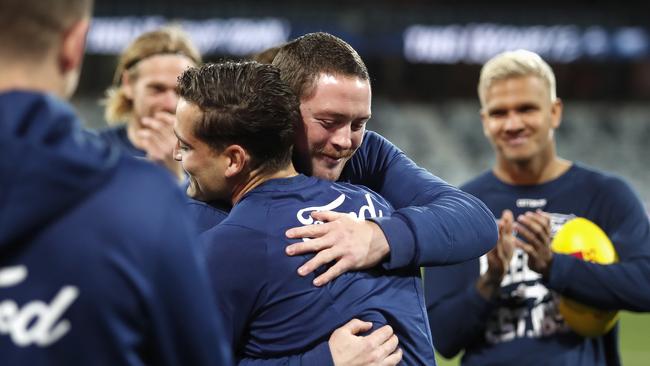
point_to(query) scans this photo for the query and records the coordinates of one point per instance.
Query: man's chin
(327, 173)
(191, 192)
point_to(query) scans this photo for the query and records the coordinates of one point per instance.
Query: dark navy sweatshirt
(522, 325)
(271, 311)
(99, 263)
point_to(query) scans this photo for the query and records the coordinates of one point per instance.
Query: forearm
(457, 312)
(317, 356)
(447, 228)
(624, 285)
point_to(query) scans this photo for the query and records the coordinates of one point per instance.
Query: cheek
(316, 137)
(357, 138)
(490, 129)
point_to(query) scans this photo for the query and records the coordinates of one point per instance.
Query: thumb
(356, 326)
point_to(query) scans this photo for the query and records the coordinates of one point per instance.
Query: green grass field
(634, 338)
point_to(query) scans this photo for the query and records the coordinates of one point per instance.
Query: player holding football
(502, 309)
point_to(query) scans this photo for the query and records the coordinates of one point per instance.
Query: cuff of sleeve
(400, 240)
(559, 272)
(319, 356)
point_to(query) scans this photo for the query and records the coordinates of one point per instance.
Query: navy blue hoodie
(99, 264)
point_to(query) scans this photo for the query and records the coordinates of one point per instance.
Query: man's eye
(498, 114)
(358, 126)
(326, 123)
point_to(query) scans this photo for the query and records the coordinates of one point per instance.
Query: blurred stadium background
(424, 59)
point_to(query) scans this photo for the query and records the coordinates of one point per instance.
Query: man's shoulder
(479, 183)
(141, 190)
(373, 143)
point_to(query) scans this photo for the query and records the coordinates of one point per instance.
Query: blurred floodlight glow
(476, 43)
(235, 36)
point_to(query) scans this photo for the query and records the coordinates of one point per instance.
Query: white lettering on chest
(36, 322)
(531, 203)
(365, 211)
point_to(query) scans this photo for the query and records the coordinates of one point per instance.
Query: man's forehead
(163, 66)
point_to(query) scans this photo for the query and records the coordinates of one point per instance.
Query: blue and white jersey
(522, 325)
(274, 312)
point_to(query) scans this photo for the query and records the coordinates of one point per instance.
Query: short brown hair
(31, 27)
(266, 56)
(166, 40)
(303, 59)
(244, 103)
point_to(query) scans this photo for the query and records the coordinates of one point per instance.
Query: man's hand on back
(379, 348)
(353, 243)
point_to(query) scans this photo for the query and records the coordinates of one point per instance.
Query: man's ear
(73, 45)
(556, 113)
(237, 160)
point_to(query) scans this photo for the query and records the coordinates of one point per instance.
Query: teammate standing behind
(235, 130)
(142, 100)
(503, 310)
(98, 263)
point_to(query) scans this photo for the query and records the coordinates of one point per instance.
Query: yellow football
(583, 239)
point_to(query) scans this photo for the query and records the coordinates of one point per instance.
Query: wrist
(488, 286)
(379, 247)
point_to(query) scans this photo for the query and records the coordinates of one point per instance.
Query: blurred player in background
(502, 310)
(99, 264)
(142, 100)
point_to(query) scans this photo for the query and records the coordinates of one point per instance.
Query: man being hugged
(235, 134)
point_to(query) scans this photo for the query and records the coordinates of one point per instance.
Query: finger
(545, 221)
(160, 130)
(387, 348)
(391, 344)
(356, 326)
(152, 123)
(528, 220)
(540, 220)
(536, 224)
(327, 216)
(166, 118)
(323, 257)
(507, 216)
(530, 237)
(309, 231)
(333, 272)
(308, 246)
(381, 335)
(394, 358)
(529, 249)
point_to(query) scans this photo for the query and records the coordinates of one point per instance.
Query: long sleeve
(457, 313)
(317, 356)
(434, 222)
(624, 285)
(187, 327)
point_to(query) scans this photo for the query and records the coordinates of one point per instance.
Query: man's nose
(342, 137)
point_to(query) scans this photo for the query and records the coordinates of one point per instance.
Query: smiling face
(204, 166)
(334, 119)
(519, 118)
(153, 89)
